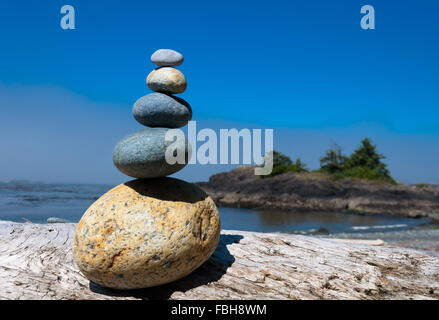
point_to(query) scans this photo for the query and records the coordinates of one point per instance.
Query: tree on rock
(333, 161)
(364, 163)
(366, 156)
(284, 164)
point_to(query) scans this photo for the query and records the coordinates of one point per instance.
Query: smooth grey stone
(142, 154)
(167, 58)
(57, 220)
(162, 110)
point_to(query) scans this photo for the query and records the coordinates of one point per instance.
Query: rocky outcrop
(317, 192)
(36, 262)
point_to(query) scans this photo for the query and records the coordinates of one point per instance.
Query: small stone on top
(167, 58)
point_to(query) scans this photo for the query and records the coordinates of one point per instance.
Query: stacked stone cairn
(154, 229)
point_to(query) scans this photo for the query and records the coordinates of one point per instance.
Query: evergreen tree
(367, 156)
(283, 164)
(280, 159)
(333, 161)
(363, 163)
(300, 166)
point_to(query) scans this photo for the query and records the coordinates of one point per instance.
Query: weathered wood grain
(36, 263)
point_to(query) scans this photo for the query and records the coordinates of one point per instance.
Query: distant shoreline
(240, 188)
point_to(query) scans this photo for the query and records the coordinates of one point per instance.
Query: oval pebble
(167, 58)
(166, 80)
(162, 110)
(142, 154)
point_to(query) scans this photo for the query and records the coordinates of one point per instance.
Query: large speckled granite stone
(166, 80)
(145, 233)
(167, 58)
(142, 154)
(162, 110)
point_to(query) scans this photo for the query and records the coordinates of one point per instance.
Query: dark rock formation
(318, 192)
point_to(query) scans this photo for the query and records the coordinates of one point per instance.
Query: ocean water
(21, 201)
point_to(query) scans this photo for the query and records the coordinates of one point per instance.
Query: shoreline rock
(240, 188)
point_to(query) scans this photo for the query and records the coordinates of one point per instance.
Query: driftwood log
(36, 263)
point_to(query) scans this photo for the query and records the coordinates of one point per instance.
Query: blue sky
(304, 68)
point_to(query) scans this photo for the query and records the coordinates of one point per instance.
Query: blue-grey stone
(162, 110)
(167, 58)
(142, 154)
